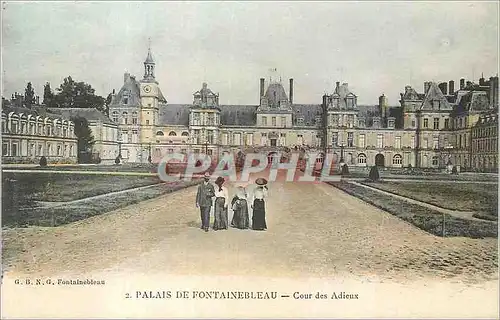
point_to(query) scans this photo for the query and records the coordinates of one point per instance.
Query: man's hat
(261, 181)
(206, 175)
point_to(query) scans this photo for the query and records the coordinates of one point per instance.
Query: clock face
(147, 89)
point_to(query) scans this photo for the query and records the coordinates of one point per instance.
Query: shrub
(374, 175)
(410, 166)
(98, 160)
(117, 160)
(43, 161)
(345, 170)
(454, 170)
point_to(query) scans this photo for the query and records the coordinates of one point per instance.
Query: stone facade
(29, 134)
(485, 143)
(428, 130)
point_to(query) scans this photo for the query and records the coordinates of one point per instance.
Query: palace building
(428, 129)
(434, 128)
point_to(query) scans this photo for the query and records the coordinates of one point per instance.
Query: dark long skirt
(241, 219)
(259, 215)
(220, 214)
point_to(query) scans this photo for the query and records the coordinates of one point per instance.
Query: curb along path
(455, 213)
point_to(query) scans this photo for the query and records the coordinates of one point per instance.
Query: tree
(345, 170)
(85, 138)
(29, 95)
(48, 95)
(374, 175)
(72, 94)
(109, 98)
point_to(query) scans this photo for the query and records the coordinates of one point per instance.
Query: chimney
(427, 85)
(451, 87)
(462, 84)
(324, 101)
(291, 91)
(382, 105)
(126, 76)
(443, 87)
(37, 100)
(261, 87)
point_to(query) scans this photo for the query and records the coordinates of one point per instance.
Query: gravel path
(314, 230)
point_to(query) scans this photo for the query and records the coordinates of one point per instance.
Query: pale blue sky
(377, 47)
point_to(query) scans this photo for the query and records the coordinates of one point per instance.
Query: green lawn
(478, 197)
(62, 187)
(424, 218)
(22, 191)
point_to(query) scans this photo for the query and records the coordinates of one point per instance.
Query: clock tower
(151, 100)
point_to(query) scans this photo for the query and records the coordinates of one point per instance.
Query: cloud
(376, 47)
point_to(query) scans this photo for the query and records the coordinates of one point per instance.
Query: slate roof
(174, 114)
(35, 111)
(275, 93)
(130, 89)
(308, 112)
(91, 114)
(238, 115)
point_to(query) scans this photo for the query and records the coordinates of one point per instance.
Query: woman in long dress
(259, 207)
(220, 208)
(241, 219)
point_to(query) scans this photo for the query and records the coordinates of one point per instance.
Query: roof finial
(149, 44)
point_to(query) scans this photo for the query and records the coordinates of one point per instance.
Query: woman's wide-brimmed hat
(207, 175)
(220, 180)
(261, 181)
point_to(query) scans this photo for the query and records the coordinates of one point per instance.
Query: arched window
(397, 159)
(114, 116)
(125, 117)
(159, 133)
(134, 117)
(361, 158)
(172, 134)
(185, 134)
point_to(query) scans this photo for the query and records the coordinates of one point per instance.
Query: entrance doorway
(380, 160)
(273, 142)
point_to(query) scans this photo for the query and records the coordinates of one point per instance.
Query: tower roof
(275, 93)
(149, 58)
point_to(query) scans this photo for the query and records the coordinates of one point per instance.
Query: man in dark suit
(204, 200)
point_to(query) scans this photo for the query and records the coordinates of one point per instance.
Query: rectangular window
(361, 140)
(250, 139)
(5, 149)
(237, 139)
(380, 141)
(4, 126)
(413, 123)
(397, 143)
(264, 121)
(436, 123)
(446, 123)
(283, 121)
(412, 142)
(125, 136)
(426, 143)
(435, 142)
(31, 150)
(273, 120)
(14, 149)
(13, 128)
(335, 139)
(147, 122)
(350, 138)
(211, 119)
(40, 150)
(210, 136)
(426, 123)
